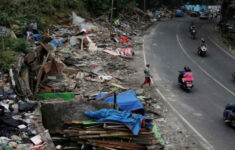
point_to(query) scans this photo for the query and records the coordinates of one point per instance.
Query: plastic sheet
(126, 101)
(132, 121)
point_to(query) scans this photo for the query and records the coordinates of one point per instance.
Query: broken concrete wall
(54, 113)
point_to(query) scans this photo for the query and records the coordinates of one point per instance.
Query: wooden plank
(39, 75)
(110, 94)
(116, 134)
(118, 86)
(105, 96)
(115, 144)
(91, 132)
(80, 122)
(88, 136)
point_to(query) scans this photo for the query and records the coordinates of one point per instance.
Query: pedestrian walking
(147, 76)
(28, 29)
(34, 26)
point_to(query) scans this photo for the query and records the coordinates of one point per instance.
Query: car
(204, 16)
(179, 13)
(158, 14)
(230, 26)
(229, 114)
(194, 14)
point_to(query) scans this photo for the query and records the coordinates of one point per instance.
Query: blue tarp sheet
(179, 13)
(53, 42)
(57, 42)
(37, 37)
(195, 7)
(126, 101)
(131, 120)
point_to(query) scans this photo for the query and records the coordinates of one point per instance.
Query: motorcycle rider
(203, 42)
(229, 113)
(186, 75)
(192, 26)
(192, 30)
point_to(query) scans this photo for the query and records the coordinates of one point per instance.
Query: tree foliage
(22, 11)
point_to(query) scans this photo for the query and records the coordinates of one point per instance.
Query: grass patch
(7, 59)
(10, 48)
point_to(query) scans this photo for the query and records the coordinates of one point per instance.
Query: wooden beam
(40, 74)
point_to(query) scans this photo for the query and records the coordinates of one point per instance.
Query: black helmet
(187, 69)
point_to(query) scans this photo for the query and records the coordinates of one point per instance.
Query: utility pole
(112, 11)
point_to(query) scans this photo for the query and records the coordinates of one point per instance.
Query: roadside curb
(224, 46)
(201, 140)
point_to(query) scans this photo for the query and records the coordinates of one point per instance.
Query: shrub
(5, 20)
(11, 44)
(7, 58)
(20, 45)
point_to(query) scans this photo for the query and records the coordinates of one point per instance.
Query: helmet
(203, 40)
(187, 69)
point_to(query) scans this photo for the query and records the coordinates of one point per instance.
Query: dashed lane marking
(206, 144)
(222, 49)
(203, 70)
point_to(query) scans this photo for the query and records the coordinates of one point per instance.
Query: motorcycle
(229, 115)
(193, 34)
(187, 85)
(202, 50)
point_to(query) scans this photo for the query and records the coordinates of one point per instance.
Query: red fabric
(124, 39)
(126, 51)
(143, 123)
(147, 80)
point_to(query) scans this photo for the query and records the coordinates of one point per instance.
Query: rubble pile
(18, 121)
(78, 61)
(85, 59)
(108, 135)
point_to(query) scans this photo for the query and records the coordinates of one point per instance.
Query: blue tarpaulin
(179, 13)
(53, 42)
(131, 120)
(37, 37)
(197, 8)
(57, 42)
(126, 101)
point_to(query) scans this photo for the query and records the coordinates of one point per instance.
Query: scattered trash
(78, 62)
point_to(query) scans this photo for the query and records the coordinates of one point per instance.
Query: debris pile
(80, 61)
(84, 59)
(18, 122)
(108, 133)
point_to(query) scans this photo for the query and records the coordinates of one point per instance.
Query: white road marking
(197, 114)
(155, 44)
(222, 49)
(205, 143)
(203, 70)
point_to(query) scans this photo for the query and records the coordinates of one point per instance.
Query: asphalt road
(168, 49)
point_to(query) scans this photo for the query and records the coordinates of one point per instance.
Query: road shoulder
(175, 133)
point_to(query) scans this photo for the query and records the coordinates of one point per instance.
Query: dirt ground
(174, 132)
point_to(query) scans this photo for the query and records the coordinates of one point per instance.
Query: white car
(204, 16)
